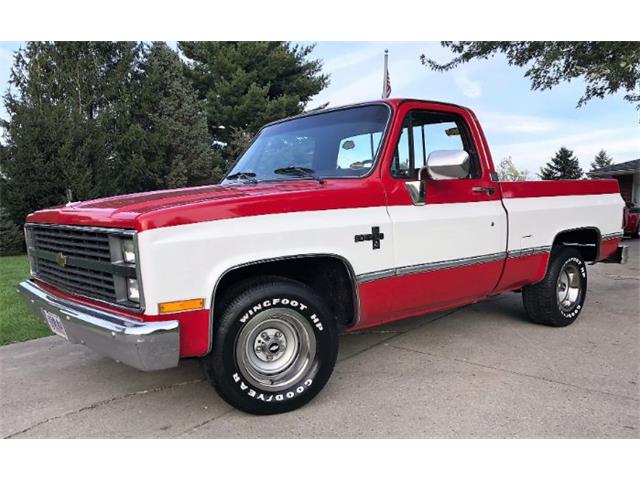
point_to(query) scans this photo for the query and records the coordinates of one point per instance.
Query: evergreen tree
(247, 84)
(11, 238)
(564, 165)
(100, 119)
(61, 119)
(602, 159)
(175, 151)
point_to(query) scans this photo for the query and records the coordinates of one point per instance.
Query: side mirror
(448, 164)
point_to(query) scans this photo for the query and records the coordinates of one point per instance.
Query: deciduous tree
(607, 67)
(508, 172)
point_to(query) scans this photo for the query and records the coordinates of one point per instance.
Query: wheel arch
(586, 240)
(291, 266)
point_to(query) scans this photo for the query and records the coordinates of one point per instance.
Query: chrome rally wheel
(569, 286)
(275, 349)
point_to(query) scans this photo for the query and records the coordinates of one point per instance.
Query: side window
(442, 136)
(358, 151)
(425, 132)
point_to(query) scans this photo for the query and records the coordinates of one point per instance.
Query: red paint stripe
(555, 188)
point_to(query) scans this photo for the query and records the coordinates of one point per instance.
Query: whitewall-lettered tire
(275, 346)
(559, 298)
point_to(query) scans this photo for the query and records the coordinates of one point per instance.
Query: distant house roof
(624, 168)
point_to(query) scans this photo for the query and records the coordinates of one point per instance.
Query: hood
(156, 209)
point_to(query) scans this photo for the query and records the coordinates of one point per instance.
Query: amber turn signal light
(181, 305)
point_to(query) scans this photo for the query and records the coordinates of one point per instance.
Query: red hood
(141, 211)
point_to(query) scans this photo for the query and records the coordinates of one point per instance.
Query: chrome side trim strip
(377, 275)
(611, 236)
(429, 267)
(446, 264)
(525, 252)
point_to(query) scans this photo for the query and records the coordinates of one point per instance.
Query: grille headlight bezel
(97, 271)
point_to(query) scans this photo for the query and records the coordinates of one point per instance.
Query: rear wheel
(274, 348)
(558, 299)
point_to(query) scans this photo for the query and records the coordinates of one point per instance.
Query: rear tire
(274, 347)
(558, 299)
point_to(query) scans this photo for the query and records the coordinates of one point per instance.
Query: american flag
(386, 81)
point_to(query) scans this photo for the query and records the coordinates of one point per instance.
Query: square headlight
(128, 250)
(133, 292)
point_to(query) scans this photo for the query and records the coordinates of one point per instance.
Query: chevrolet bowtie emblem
(61, 259)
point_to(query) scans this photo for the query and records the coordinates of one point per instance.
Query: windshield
(340, 143)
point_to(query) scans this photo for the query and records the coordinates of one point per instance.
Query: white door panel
(434, 233)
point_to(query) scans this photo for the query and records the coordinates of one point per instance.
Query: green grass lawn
(17, 323)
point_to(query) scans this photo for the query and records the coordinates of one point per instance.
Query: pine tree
(175, 151)
(247, 84)
(61, 119)
(11, 238)
(564, 165)
(602, 159)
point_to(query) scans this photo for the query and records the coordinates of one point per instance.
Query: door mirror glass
(448, 164)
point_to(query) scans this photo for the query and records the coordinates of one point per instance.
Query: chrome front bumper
(145, 346)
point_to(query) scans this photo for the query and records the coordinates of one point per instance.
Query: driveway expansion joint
(102, 403)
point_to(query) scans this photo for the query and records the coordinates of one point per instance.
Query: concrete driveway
(479, 371)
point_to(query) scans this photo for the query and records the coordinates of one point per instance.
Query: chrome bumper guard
(621, 255)
(145, 346)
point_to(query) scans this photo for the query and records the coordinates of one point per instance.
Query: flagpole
(385, 73)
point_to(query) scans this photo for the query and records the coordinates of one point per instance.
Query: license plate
(55, 324)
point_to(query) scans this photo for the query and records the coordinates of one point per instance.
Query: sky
(526, 125)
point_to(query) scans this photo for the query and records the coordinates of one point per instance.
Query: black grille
(77, 243)
(78, 260)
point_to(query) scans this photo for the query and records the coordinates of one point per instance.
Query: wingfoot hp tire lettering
(275, 346)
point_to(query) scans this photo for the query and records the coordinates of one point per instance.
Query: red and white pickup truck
(339, 219)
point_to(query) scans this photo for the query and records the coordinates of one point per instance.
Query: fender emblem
(375, 236)
(61, 259)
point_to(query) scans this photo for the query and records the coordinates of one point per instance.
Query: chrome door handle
(487, 190)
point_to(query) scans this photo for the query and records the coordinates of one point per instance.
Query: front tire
(274, 347)
(558, 299)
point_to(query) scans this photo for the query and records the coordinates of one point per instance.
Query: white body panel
(186, 261)
(534, 222)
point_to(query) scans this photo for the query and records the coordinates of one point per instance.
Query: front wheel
(274, 348)
(558, 299)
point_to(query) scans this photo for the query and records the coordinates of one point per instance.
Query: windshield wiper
(302, 172)
(250, 177)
